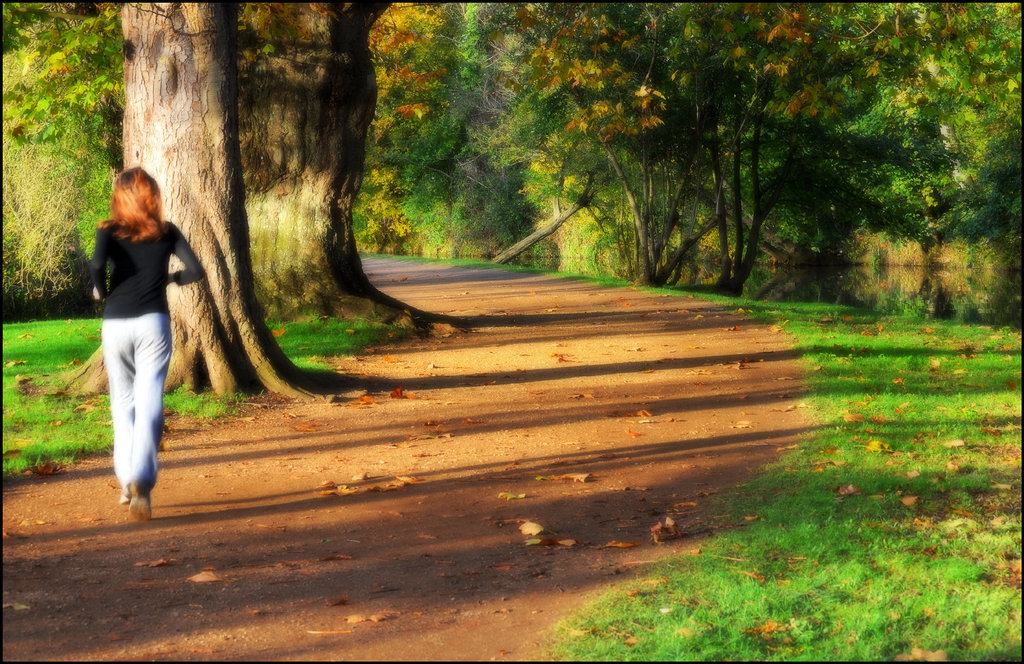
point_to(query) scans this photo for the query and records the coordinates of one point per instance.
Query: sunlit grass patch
(44, 426)
(895, 526)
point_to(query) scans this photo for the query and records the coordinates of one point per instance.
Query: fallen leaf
(47, 468)
(381, 616)
(206, 577)
(955, 443)
(549, 541)
(17, 606)
(156, 563)
(877, 446)
(511, 496)
(399, 393)
(853, 417)
(531, 528)
(615, 544)
(848, 490)
(752, 575)
(665, 531)
(278, 333)
(341, 601)
(575, 477)
(336, 556)
(908, 500)
(328, 631)
(919, 655)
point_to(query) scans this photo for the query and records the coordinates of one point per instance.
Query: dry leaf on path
(549, 541)
(615, 544)
(575, 477)
(531, 528)
(155, 563)
(206, 577)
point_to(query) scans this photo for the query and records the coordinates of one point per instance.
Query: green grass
(823, 575)
(43, 424)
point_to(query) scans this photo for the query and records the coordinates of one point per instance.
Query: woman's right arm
(98, 264)
(193, 269)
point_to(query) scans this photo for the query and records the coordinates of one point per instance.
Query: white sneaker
(138, 504)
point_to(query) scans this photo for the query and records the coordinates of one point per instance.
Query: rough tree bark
(305, 111)
(181, 124)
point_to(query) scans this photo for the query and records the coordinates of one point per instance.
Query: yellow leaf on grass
(877, 446)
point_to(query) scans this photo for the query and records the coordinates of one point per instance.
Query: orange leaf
(615, 544)
(280, 332)
(206, 577)
(751, 575)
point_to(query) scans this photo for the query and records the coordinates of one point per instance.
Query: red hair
(136, 213)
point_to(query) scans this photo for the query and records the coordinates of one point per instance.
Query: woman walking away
(136, 328)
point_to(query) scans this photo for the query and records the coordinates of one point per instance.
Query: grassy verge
(45, 426)
(894, 530)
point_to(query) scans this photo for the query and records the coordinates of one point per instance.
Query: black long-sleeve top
(139, 277)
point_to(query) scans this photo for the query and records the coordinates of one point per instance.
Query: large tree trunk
(305, 111)
(181, 125)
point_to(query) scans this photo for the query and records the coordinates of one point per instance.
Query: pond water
(988, 297)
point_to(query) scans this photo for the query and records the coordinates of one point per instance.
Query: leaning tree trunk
(305, 110)
(181, 125)
(558, 217)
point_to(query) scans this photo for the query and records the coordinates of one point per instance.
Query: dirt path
(663, 401)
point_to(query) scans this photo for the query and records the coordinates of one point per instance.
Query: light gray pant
(136, 352)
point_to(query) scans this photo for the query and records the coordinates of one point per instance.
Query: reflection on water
(985, 296)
